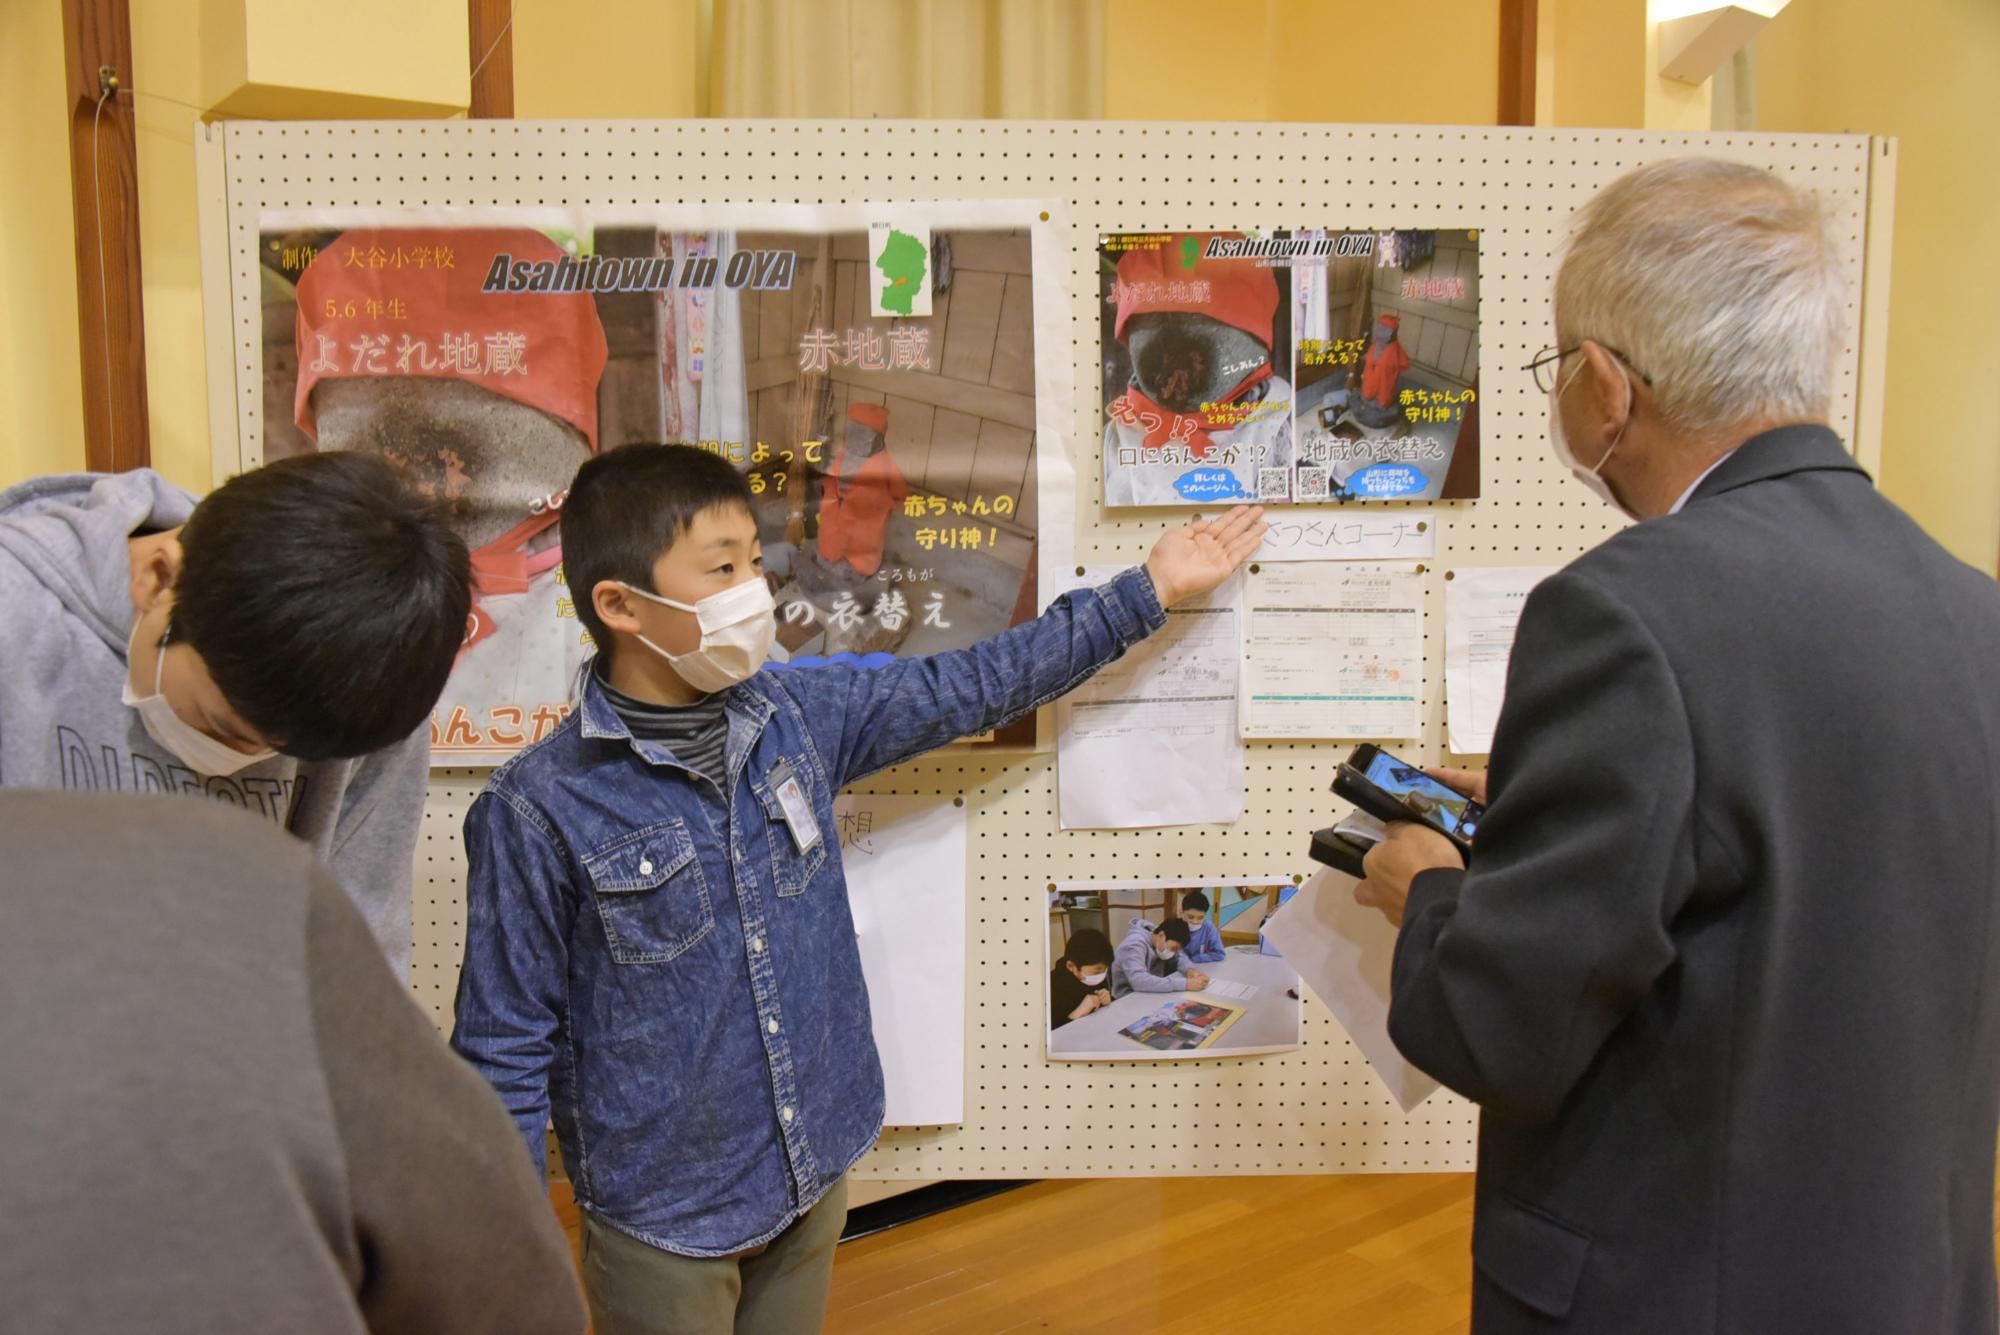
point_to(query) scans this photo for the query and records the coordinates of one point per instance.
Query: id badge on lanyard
(798, 812)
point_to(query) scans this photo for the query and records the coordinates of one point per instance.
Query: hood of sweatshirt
(72, 531)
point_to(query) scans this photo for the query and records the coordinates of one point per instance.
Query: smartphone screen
(1450, 811)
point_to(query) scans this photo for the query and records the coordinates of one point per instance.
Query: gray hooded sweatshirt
(66, 619)
(1138, 967)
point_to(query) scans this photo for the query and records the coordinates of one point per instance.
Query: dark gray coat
(1723, 973)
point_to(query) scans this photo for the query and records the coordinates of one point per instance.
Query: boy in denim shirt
(659, 953)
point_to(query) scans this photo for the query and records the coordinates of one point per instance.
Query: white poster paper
(1344, 953)
(1481, 609)
(1332, 651)
(1348, 537)
(1151, 739)
(905, 860)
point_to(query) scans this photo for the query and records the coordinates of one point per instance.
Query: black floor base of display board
(920, 1204)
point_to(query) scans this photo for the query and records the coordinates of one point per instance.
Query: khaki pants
(779, 1288)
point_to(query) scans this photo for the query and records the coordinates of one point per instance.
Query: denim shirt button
(786, 1115)
(646, 867)
(756, 945)
(772, 1026)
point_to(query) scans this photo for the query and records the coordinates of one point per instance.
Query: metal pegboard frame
(1315, 1110)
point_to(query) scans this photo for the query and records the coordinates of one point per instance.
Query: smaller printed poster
(1197, 370)
(1302, 366)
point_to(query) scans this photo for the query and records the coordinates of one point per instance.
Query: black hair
(1194, 900)
(1087, 945)
(1175, 931)
(327, 598)
(627, 507)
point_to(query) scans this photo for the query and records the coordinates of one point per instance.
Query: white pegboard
(1315, 1110)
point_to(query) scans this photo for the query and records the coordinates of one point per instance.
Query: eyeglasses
(1549, 361)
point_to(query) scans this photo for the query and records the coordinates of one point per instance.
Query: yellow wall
(1302, 60)
(167, 59)
(41, 395)
(300, 59)
(563, 67)
(1597, 56)
(1927, 71)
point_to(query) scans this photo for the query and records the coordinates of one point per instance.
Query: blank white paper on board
(905, 859)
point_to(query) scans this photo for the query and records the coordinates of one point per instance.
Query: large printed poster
(1294, 367)
(871, 370)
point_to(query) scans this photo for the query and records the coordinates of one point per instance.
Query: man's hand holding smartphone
(1412, 848)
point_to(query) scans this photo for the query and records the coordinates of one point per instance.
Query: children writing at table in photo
(1152, 958)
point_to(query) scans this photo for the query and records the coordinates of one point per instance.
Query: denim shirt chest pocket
(651, 893)
(791, 870)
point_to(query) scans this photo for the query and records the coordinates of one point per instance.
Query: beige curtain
(945, 58)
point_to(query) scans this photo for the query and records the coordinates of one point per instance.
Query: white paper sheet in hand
(1152, 739)
(905, 859)
(1481, 610)
(1344, 953)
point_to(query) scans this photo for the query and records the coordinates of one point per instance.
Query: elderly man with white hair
(1724, 971)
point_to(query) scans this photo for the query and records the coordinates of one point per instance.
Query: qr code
(1274, 484)
(1312, 483)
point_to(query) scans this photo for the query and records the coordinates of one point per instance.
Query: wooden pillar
(104, 188)
(1517, 61)
(492, 59)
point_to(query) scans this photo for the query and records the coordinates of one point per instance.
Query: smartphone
(1391, 788)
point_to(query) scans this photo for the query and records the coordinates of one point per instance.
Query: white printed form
(1332, 650)
(1151, 739)
(1481, 610)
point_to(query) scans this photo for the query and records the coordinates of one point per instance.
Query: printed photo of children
(1163, 970)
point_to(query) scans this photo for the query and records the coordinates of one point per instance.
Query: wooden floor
(1274, 1255)
(1382, 1253)
(1388, 1254)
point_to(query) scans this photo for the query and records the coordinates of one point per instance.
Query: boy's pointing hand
(1188, 562)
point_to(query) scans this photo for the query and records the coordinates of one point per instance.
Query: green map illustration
(905, 263)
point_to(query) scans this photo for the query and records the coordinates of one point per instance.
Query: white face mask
(1591, 477)
(737, 627)
(1093, 979)
(195, 748)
